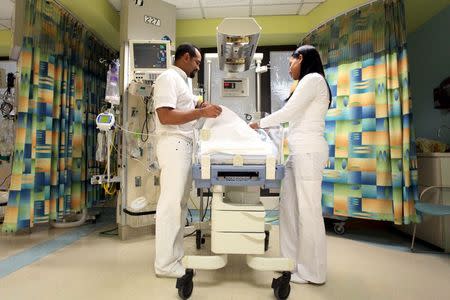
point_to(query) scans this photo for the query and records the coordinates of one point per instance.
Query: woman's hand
(254, 125)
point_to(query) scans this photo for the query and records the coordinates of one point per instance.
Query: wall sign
(152, 20)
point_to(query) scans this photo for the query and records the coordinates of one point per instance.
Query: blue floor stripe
(35, 253)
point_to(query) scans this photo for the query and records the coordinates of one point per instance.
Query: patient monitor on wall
(148, 59)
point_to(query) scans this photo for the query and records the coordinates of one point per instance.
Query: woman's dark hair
(185, 48)
(311, 63)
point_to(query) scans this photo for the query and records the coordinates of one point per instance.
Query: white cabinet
(238, 224)
(434, 169)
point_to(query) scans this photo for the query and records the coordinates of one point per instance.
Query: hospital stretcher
(237, 223)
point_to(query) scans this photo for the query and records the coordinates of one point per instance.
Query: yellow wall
(288, 30)
(99, 16)
(420, 11)
(5, 42)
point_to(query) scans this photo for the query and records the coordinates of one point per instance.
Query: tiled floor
(94, 266)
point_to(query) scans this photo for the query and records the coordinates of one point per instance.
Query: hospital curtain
(60, 89)
(372, 171)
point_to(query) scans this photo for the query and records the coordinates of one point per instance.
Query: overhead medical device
(231, 71)
(234, 161)
(236, 43)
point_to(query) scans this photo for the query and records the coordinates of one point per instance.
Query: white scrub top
(172, 90)
(305, 111)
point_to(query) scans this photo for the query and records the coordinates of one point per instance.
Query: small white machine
(235, 87)
(105, 121)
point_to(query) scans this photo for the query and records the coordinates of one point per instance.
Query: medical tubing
(141, 213)
(80, 222)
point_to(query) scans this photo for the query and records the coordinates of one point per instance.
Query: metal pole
(258, 87)
(124, 158)
(209, 81)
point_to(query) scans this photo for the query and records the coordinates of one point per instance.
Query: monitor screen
(150, 56)
(104, 119)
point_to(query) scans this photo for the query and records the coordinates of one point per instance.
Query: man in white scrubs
(177, 111)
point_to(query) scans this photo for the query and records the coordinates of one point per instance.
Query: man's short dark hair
(185, 48)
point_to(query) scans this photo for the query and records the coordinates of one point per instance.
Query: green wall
(5, 42)
(98, 15)
(429, 64)
(276, 30)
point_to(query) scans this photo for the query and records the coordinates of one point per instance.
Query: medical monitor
(149, 58)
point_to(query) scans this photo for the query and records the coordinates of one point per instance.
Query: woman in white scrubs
(302, 230)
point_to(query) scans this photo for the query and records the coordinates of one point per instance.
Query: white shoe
(296, 279)
(173, 275)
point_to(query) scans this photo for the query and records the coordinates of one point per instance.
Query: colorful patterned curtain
(372, 171)
(61, 86)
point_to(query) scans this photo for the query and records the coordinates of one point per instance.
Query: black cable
(142, 213)
(207, 204)
(108, 232)
(187, 219)
(145, 124)
(4, 180)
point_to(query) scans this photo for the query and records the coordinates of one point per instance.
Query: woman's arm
(300, 99)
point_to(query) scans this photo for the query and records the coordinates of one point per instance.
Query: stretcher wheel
(185, 285)
(266, 240)
(339, 228)
(199, 240)
(281, 286)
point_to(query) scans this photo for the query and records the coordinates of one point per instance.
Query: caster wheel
(281, 286)
(198, 239)
(266, 241)
(339, 228)
(185, 285)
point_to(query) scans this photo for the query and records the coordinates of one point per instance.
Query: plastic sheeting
(229, 134)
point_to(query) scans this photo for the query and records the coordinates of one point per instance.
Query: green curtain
(372, 171)
(61, 86)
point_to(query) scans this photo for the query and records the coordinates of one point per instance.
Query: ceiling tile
(189, 13)
(224, 3)
(184, 3)
(6, 10)
(274, 10)
(307, 8)
(220, 12)
(270, 2)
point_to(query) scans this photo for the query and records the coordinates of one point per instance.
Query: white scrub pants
(174, 155)
(302, 229)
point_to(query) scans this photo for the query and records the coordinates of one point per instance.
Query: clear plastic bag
(112, 85)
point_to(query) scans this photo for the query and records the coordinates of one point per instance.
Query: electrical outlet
(137, 181)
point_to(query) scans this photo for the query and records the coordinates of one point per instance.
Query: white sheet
(229, 134)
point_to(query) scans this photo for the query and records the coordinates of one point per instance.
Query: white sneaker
(174, 275)
(296, 279)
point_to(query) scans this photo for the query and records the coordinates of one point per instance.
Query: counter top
(434, 154)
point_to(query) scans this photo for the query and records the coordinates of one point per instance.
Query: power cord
(4, 180)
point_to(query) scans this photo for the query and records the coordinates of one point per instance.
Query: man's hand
(254, 125)
(210, 110)
(203, 104)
